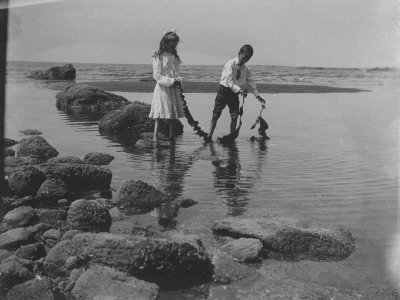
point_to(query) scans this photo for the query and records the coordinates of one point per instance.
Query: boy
(234, 74)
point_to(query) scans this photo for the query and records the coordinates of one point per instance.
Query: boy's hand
(243, 93)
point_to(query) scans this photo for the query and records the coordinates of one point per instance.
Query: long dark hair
(165, 39)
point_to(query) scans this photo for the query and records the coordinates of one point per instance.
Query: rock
(4, 254)
(226, 270)
(54, 218)
(65, 72)
(86, 98)
(71, 262)
(52, 190)
(78, 177)
(133, 118)
(62, 202)
(167, 263)
(166, 212)
(30, 132)
(21, 216)
(291, 238)
(68, 235)
(377, 292)
(25, 180)
(139, 197)
(32, 251)
(9, 152)
(39, 288)
(147, 135)
(53, 234)
(9, 142)
(65, 159)
(243, 249)
(185, 202)
(14, 238)
(60, 253)
(36, 146)
(25, 201)
(95, 158)
(11, 163)
(88, 215)
(12, 272)
(50, 243)
(101, 282)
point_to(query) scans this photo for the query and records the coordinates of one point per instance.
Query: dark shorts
(226, 96)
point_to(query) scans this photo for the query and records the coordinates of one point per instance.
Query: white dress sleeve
(157, 75)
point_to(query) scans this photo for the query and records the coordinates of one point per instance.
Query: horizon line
(288, 66)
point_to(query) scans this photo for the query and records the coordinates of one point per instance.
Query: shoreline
(212, 87)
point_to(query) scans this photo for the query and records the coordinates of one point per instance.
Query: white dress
(166, 103)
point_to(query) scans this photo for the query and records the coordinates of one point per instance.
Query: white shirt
(166, 69)
(228, 77)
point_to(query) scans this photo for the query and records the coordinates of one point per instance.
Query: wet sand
(212, 87)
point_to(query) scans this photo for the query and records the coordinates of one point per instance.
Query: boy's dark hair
(247, 49)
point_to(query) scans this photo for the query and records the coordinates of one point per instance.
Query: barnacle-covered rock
(102, 282)
(88, 215)
(167, 262)
(134, 118)
(65, 72)
(96, 158)
(83, 98)
(36, 146)
(136, 196)
(52, 190)
(291, 238)
(78, 177)
(26, 180)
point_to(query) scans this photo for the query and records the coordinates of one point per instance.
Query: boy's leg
(233, 105)
(213, 124)
(234, 118)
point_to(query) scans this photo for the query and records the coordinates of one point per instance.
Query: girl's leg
(156, 126)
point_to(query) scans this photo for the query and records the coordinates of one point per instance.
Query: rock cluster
(52, 243)
(65, 72)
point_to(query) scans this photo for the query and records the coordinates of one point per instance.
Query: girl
(166, 103)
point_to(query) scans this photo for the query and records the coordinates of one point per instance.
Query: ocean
(332, 157)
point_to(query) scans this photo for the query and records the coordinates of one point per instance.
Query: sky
(311, 33)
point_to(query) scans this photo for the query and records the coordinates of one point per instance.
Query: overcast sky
(318, 33)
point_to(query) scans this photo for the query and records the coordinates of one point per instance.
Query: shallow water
(331, 157)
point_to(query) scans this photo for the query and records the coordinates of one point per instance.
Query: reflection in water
(81, 119)
(171, 167)
(230, 179)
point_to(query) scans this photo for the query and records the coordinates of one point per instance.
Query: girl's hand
(177, 82)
